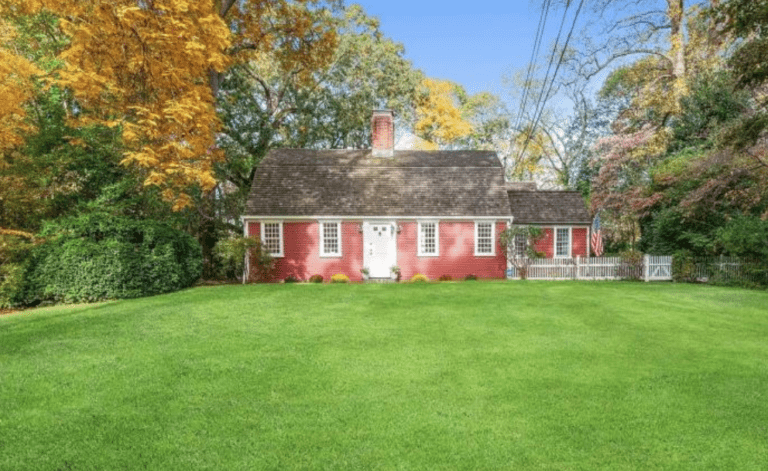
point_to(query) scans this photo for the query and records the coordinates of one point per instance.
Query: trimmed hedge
(96, 258)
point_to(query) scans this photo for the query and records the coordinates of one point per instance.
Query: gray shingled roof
(298, 182)
(548, 207)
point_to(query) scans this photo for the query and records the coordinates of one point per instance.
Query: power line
(540, 104)
(534, 55)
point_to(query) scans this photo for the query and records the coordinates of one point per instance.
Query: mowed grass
(489, 375)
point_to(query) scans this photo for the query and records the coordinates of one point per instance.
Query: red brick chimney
(383, 130)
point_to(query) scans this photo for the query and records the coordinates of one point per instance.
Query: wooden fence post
(578, 265)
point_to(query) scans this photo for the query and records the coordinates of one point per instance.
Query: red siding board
(457, 253)
(546, 244)
(457, 245)
(301, 250)
(579, 241)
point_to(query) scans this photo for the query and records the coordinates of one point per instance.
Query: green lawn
(496, 375)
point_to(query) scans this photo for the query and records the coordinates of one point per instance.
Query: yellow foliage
(16, 89)
(147, 66)
(418, 277)
(13, 232)
(438, 119)
(339, 278)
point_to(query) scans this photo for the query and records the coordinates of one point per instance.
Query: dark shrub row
(98, 257)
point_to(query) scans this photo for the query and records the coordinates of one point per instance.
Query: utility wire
(534, 56)
(540, 104)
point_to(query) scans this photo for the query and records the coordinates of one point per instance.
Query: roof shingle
(548, 207)
(293, 182)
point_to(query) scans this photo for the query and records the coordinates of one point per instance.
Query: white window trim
(525, 249)
(554, 242)
(321, 232)
(261, 234)
(493, 239)
(437, 238)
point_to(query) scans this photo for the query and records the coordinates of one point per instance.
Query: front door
(380, 248)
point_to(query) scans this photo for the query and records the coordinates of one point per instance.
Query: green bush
(291, 279)
(446, 278)
(683, 267)
(470, 277)
(14, 252)
(93, 257)
(231, 255)
(631, 267)
(316, 279)
(11, 284)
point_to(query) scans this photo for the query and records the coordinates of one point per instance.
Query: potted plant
(365, 273)
(395, 272)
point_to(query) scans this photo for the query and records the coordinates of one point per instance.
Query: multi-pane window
(563, 242)
(330, 239)
(428, 238)
(272, 237)
(484, 238)
(521, 243)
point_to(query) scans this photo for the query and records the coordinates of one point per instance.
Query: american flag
(597, 236)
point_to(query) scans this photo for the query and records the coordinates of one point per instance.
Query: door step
(379, 280)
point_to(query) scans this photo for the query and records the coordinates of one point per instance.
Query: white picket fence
(652, 268)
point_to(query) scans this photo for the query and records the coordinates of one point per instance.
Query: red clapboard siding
(457, 253)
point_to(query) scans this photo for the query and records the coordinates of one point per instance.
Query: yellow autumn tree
(16, 89)
(153, 67)
(438, 118)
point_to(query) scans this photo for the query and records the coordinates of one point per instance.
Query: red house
(430, 212)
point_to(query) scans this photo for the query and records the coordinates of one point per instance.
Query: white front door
(380, 248)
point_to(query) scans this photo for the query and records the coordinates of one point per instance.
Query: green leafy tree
(519, 246)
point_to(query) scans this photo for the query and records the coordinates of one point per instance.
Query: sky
(472, 43)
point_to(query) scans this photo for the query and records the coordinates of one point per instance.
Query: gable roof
(300, 182)
(548, 207)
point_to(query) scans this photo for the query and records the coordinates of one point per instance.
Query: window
(521, 243)
(330, 239)
(272, 237)
(484, 238)
(429, 242)
(563, 242)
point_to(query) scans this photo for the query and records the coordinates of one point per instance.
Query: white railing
(651, 268)
(657, 267)
(724, 269)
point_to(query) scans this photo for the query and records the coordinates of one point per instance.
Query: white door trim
(379, 267)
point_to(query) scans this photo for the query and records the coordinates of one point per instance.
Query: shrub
(470, 278)
(231, 253)
(316, 279)
(100, 256)
(683, 267)
(339, 278)
(262, 264)
(631, 267)
(291, 279)
(418, 277)
(15, 247)
(11, 284)
(446, 278)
